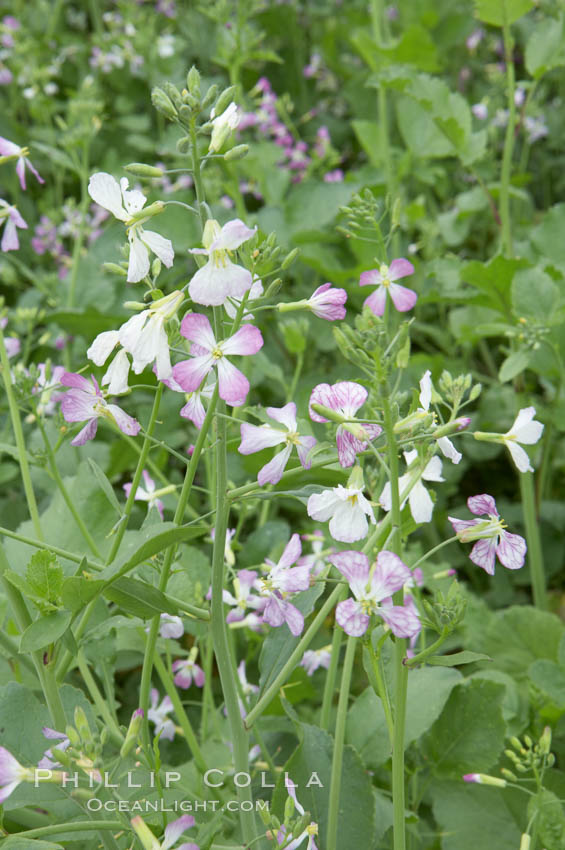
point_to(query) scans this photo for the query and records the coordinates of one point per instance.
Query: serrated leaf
(457, 659)
(24, 587)
(105, 486)
(45, 575)
(45, 630)
(496, 12)
(139, 598)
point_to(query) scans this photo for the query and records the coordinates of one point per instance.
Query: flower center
(384, 273)
(293, 438)
(217, 353)
(220, 258)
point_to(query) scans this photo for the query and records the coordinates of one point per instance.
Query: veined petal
(389, 575)
(350, 616)
(274, 611)
(403, 620)
(126, 423)
(519, 456)
(347, 446)
(448, 450)
(79, 382)
(161, 247)
(376, 301)
(233, 385)
(483, 554)
(304, 447)
(293, 618)
(103, 346)
(291, 553)
(138, 265)
(511, 550)
(370, 278)
(85, 434)
(175, 829)
(292, 579)
(247, 340)
(130, 331)
(76, 406)
(321, 394)
(10, 240)
(194, 410)
(402, 298)
(134, 200)
(354, 566)
(233, 234)
(482, 504)
(349, 397)
(190, 373)
(272, 472)
(196, 328)
(105, 191)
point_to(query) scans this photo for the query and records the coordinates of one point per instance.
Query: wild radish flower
(254, 438)
(370, 587)
(157, 714)
(11, 219)
(310, 832)
(187, 671)
(127, 206)
(420, 501)
(194, 408)
(47, 381)
(346, 508)
(170, 837)
(84, 401)
(283, 580)
(384, 279)
(344, 398)
(171, 626)
(222, 126)
(316, 560)
(326, 302)
(148, 493)
(444, 443)
(11, 774)
(315, 658)
(221, 279)
(242, 597)
(231, 305)
(525, 429)
(145, 338)
(9, 151)
(48, 762)
(492, 539)
(189, 374)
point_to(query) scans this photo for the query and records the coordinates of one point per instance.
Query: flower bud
(525, 842)
(290, 258)
(236, 153)
(81, 724)
(508, 774)
(418, 419)
(173, 94)
(545, 741)
(485, 779)
(140, 169)
(288, 809)
(451, 427)
(183, 145)
(185, 113)
(114, 268)
(224, 100)
(156, 267)
(193, 81)
(144, 834)
(273, 288)
(163, 103)
(210, 96)
(73, 736)
(132, 733)
(265, 816)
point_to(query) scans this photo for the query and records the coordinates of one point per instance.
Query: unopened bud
(114, 268)
(273, 288)
(173, 94)
(163, 103)
(289, 810)
(132, 733)
(224, 100)
(81, 724)
(140, 169)
(156, 267)
(545, 741)
(236, 153)
(475, 392)
(451, 427)
(210, 96)
(193, 81)
(185, 112)
(508, 774)
(525, 842)
(290, 258)
(73, 736)
(485, 779)
(183, 145)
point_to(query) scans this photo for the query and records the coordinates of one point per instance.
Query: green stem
(65, 494)
(99, 700)
(430, 650)
(19, 437)
(329, 686)
(382, 691)
(339, 741)
(305, 641)
(181, 714)
(535, 552)
(296, 376)
(504, 206)
(73, 826)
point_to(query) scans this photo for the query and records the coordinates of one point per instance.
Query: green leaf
(474, 816)
(519, 636)
(356, 823)
(494, 279)
(78, 591)
(469, 735)
(369, 138)
(17, 843)
(45, 575)
(549, 678)
(428, 691)
(534, 295)
(158, 537)
(457, 659)
(545, 48)
(87, 323)
(45, 630)
(139, 598)
(547, 810)
(547, 237)
(514, 365)
(105, 486)
(25, 588)
(495, 12)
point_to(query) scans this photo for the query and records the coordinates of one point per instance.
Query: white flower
(346, 508)
(222, 125)
(420, 501)
(445, 445)
(221, 279)
(126, 205)
(525, 430)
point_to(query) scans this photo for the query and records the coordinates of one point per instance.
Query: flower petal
(116, 376)
(519, 456)
(390, 574)
(400, 268)
(321, 506)
(370, 278)
(233, 385)
(196, 328)
(103, 346)
(272, 472)
(247, 340)
(105, 191)
(285, 415)
(255, 438)
(483, 554)
(482, 504)
(354, 566)
(402, 298)
(138, 265)
(175, 829)
(233, 234)
(376, 301)
(421, 503)
(85, 434)
(426, 390)
(126, 423)
(350, 616)
(190, 373)
(161, 247)
(291, 553)
(511, 550)
(525, 429)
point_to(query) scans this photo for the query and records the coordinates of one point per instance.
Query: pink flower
(284, 579)
(11, 774)
(247, 688)
(492, 539)
(221, 279)
(146, 494)
(157, 714)
(171, 626)
(189, 374)
(194, 408)
(11, 218)
(84, 401)
(187, 671)
(345, 397)
(254, 438)
(315, 658)
(243, 598)
(172, 833)
(383, 278)
(371, 587)
(12, 343)
(11, 151)
(327, 302)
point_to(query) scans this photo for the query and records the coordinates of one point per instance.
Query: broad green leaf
(549, 678)
(87, 323)
(514, 365)
(139, 598)
(24, 587)
(545, 48)
(457, 659)
(263, 542)
(519, 636)
(369, 138)
(515, 704)
(23, 843)
(105, 486)
(78, 591)
(497, 12)
(474, 816)
(494, 279)
(419, 131)
(44, 575)
(468, 737)
(547, 237)
(534, 295)
(279, 644)
(45, 630)
(547, 810)
(157, 538)
(356, 823)
(428, 691)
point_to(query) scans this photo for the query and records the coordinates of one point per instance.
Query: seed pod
(114, 268)
(236, 153)
(140, 169)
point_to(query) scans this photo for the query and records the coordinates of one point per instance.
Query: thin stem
(417, 659)
(296, 376)
(506, 235)
(73, 826)
(19, 437)
(329, 687)
(535, 552)
(85, 200)
(339, 741)
(433, 551)
(382, 691)
(98, 699)
(181, 714)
